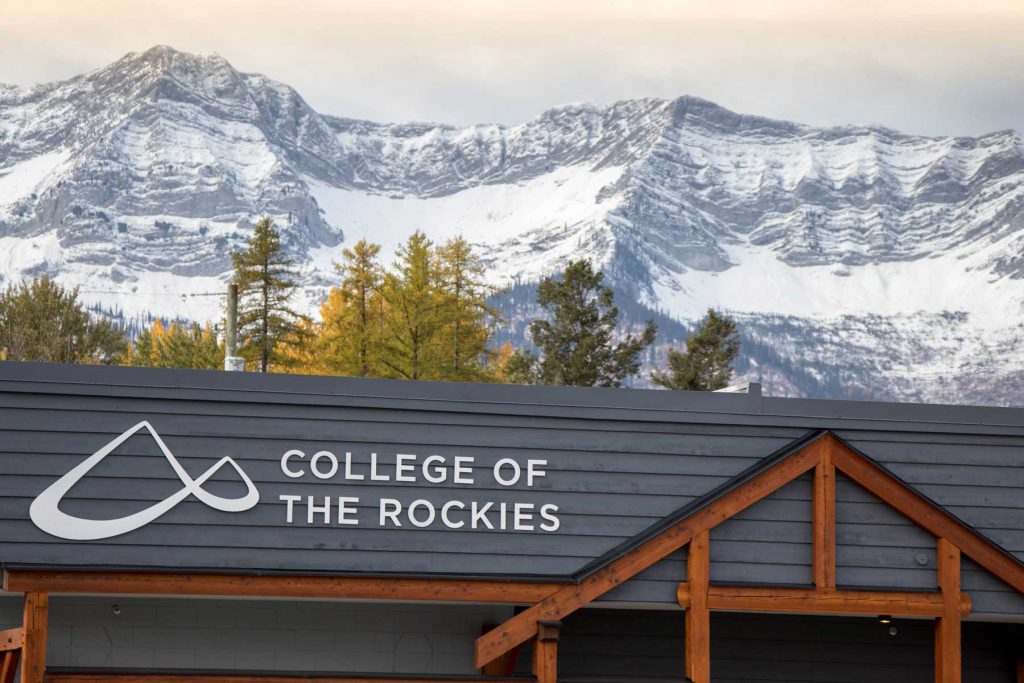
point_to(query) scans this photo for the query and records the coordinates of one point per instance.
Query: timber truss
(822, 453)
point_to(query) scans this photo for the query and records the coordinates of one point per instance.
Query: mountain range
(859, 261)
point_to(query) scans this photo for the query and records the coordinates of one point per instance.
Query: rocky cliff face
(862, 261)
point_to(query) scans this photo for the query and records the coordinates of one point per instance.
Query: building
(165, 526)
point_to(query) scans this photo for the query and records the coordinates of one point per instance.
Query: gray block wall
(261, 635)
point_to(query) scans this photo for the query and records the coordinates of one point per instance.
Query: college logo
(46, 514)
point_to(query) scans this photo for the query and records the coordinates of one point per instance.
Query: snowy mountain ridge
(136, 180)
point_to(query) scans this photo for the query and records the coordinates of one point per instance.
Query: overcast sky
(922, 66)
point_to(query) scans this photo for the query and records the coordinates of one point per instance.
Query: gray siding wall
(618, 461)
(268, 636)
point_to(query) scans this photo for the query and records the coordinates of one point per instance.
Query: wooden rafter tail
(568, 599)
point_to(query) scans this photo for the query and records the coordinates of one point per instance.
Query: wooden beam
(824, 518)
(234, 585)
(113, 677)
(33, 664)
(568, 599)
(929, 515)
(545, 652)
(698, 616)
(12, 639)
(504, 665)
(947, 627)
(9, 666)
(770, 599)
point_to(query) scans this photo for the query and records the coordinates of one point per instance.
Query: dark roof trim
(534, 401)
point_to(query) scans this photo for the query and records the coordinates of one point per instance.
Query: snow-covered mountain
(860, 260)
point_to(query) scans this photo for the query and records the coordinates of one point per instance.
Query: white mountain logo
(46, 514)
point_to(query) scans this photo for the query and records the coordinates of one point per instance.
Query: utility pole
(232, 362)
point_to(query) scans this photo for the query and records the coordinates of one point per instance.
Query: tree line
(424, 317)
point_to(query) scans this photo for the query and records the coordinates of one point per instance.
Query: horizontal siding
(609, 487)
(617, 463)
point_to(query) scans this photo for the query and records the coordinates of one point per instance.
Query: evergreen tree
(140, 352)
(176, 346)
(706, 364)
(267, 279)
(302, 354)
(576, 341)
(467, 316)
(190, 346)
(350, 337)
(41, 321)
(413, 312)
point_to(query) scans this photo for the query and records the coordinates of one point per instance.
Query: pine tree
(576, 341)
(413, 312)
(467, 316)
(267, 279)
(41, 321)
(350, 337)
(706, 364)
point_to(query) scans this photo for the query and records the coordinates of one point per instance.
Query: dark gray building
(165, 526)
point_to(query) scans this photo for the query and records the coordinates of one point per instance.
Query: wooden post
(698, 618)
(825, 519)
(545, 652)
(947, 627)
(33, 661)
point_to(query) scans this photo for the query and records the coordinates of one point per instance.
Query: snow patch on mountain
(24, 179)
(761, 283)
(523, 229)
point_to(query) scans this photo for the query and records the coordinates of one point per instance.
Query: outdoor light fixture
(884, 619)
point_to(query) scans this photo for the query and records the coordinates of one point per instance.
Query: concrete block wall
(265, 635)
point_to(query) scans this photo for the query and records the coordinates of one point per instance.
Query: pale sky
(921, 66)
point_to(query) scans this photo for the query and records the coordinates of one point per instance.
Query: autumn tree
(179, 345)
(706, 363)
(467, 317)
(42, 321)
(413, 315)
(577, 339)
(267, 280)
(349, 342)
